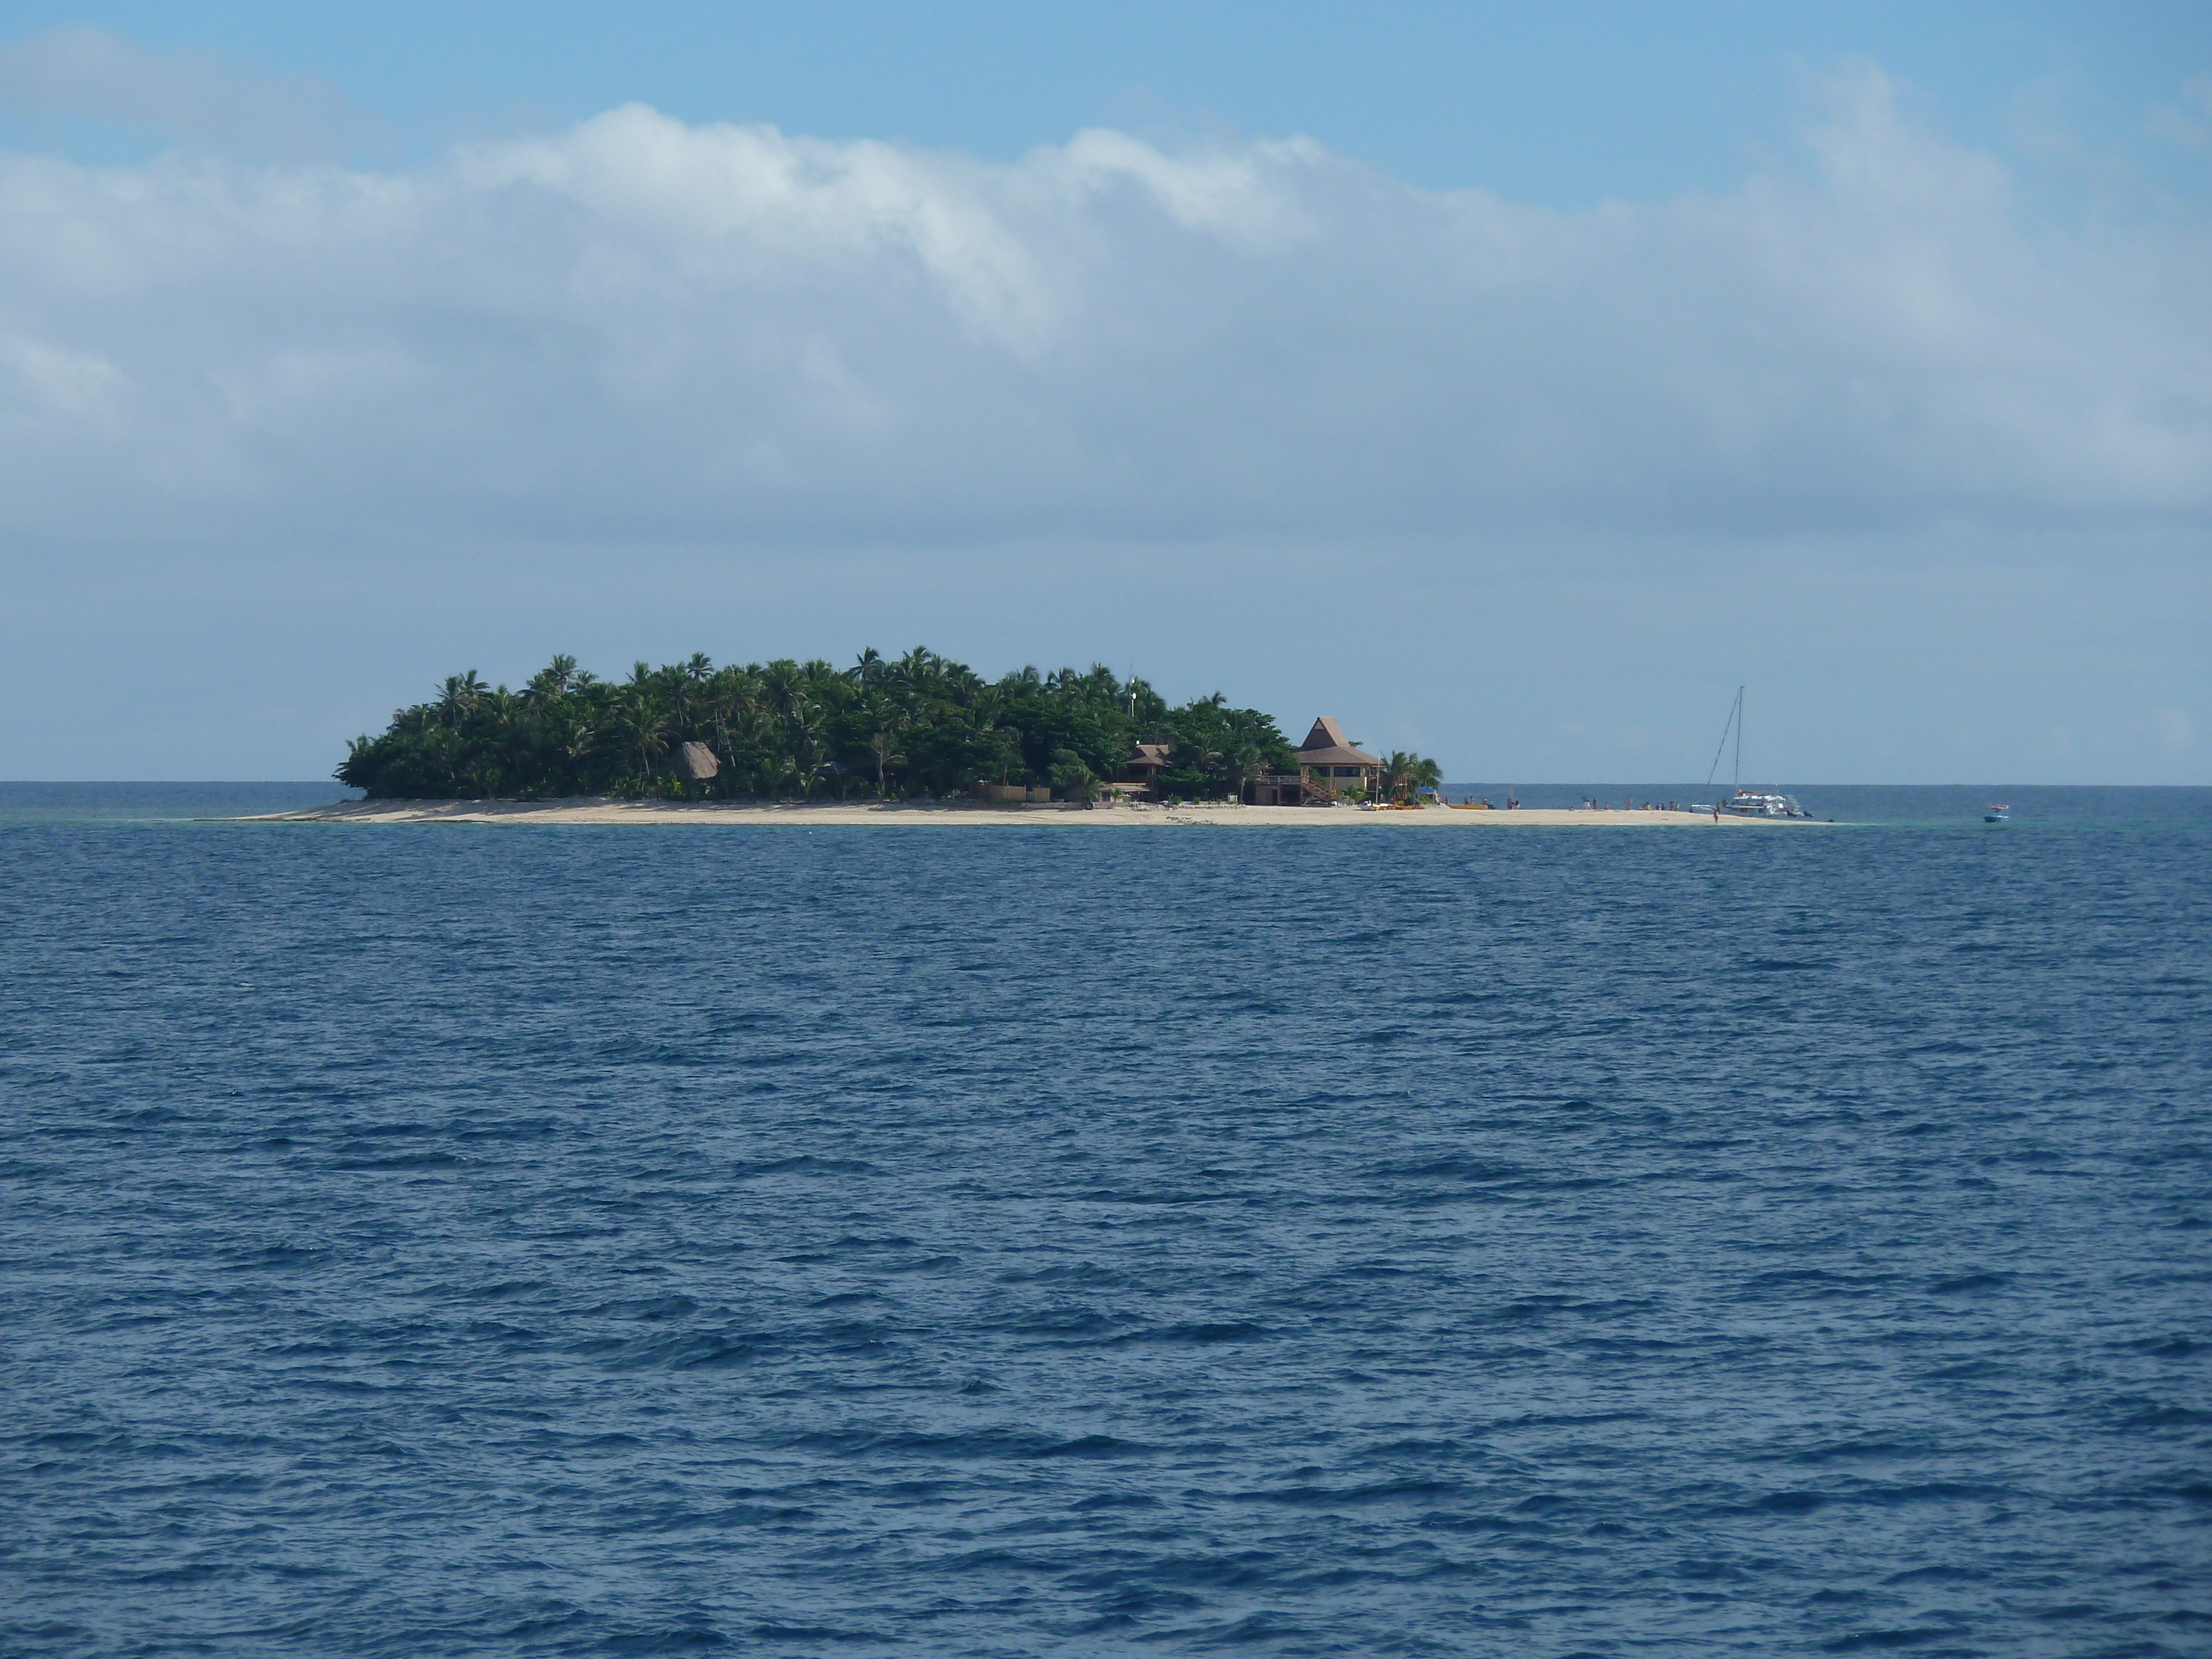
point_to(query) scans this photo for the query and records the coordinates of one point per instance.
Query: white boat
(1744, 803)
(1997, 812)
(1763, 804)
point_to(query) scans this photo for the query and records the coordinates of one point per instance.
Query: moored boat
(1744, 803)
(1763, 804)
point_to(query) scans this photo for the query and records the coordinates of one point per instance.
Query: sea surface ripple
(507, 1241)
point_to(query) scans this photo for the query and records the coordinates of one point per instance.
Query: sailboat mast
(1738, 740)
(1734, 719)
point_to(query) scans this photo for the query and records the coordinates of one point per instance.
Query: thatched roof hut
(1327, 745)
(696, 762)
(1150, 759)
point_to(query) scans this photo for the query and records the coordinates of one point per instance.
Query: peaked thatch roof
(1327, 745)
(1150, 753)
(696, 762)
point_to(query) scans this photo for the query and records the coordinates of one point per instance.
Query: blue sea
(444, 1240)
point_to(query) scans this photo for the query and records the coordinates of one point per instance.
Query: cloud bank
(643, 330)
(281, 444)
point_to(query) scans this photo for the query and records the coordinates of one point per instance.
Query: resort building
(1327, 766)
(1277, 789)
(1146, 764)
(1329, 755)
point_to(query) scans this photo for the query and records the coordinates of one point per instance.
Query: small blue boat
(1997, 812)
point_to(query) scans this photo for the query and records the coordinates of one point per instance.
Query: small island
(918, 737)
(916, 726)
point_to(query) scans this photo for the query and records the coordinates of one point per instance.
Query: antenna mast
(1738, 740)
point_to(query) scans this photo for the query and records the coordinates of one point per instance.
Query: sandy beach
(978, 816)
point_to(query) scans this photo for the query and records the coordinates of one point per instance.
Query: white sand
(602, 810)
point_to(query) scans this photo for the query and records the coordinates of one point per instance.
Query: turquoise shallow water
(444, 1240)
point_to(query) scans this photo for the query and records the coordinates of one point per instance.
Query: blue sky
(1561, 366)
(1562, 105)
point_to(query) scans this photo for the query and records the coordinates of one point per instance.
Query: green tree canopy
(1405, 772)
(888, 727)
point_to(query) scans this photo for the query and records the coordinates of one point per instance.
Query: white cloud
(655, 331)
(54, 383)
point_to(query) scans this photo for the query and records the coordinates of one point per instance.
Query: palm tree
(456, 698)
(1405, 772)
(639, 718)
(1246, 765)
(582, 738)
(551, 682)
(919, 669)
(809, 753)
(1397, 775)
(882, 747)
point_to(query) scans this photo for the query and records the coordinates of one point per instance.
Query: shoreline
(591, 810)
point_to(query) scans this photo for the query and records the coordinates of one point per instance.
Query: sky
(1513, 382)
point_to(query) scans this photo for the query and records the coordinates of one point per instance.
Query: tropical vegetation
(1404, 774)
(918, 725)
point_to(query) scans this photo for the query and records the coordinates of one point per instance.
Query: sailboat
(1745, 803)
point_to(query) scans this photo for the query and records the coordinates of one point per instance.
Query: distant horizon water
(90, 801)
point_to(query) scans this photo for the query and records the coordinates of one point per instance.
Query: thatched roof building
(1326, 745)
(696, 762)
(1149, 760)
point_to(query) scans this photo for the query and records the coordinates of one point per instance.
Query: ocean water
(438, 1240)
